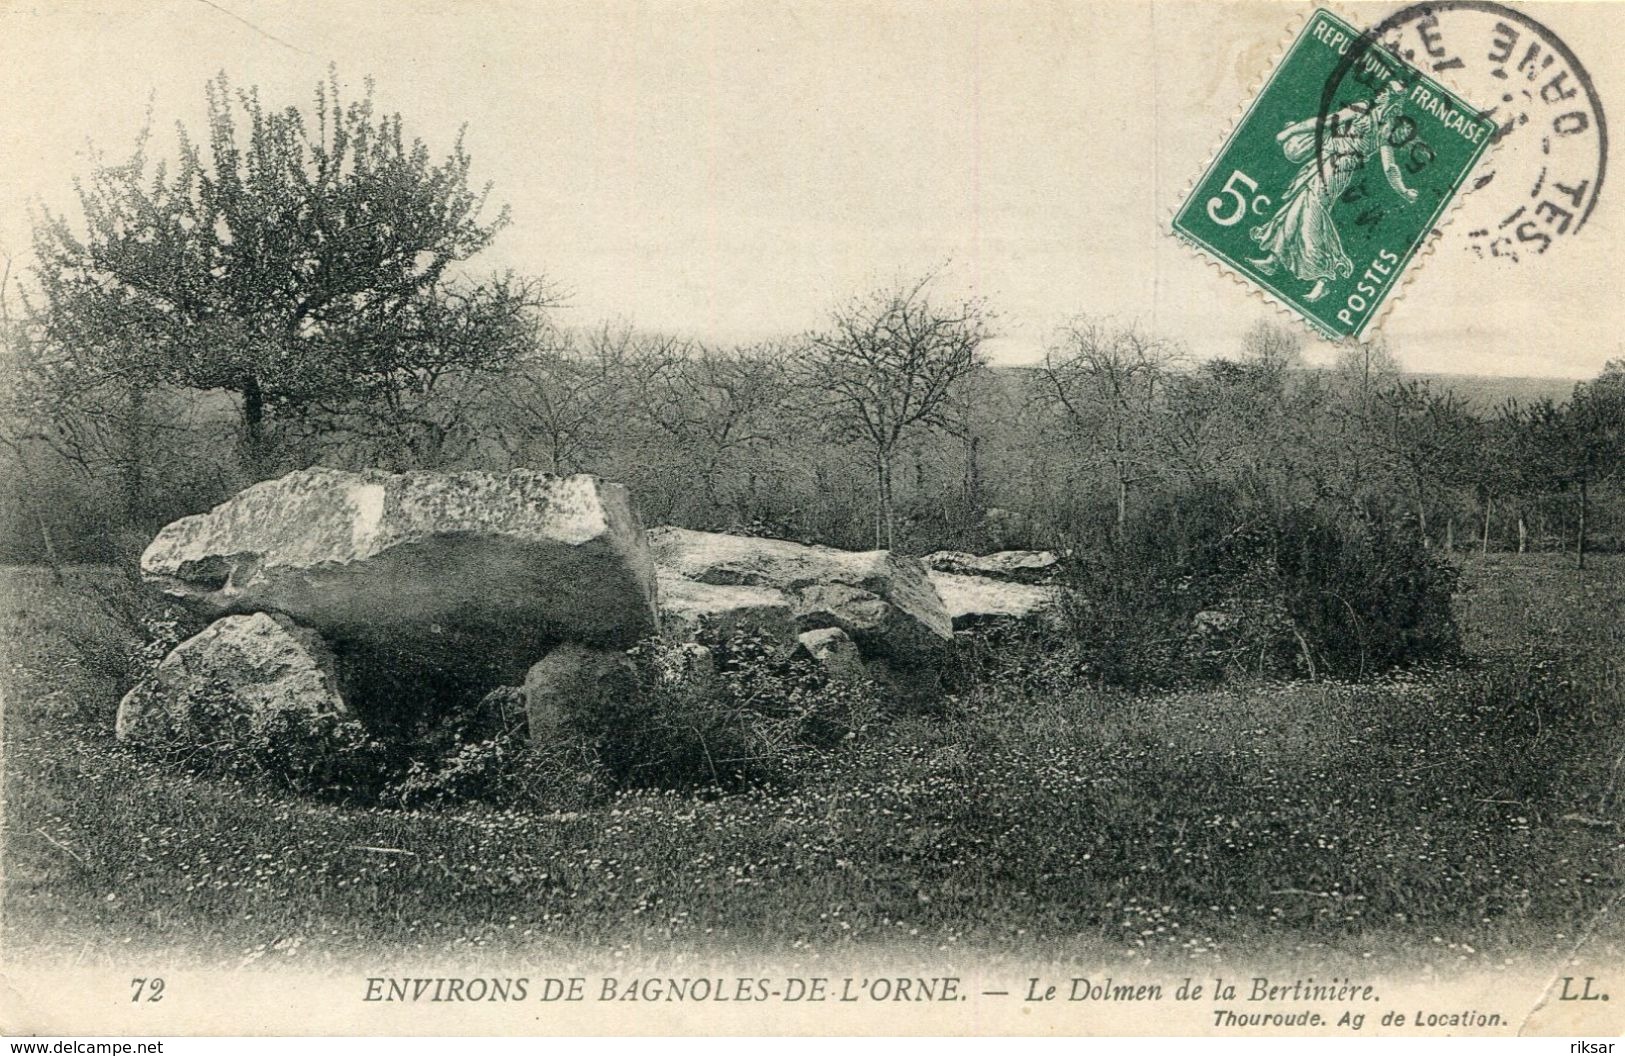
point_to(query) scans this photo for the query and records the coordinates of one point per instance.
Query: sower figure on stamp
(1301, 236)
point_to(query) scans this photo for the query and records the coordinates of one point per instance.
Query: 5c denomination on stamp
(1334, 177)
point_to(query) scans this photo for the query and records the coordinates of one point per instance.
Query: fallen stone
(977, 601)
(239, 670)
(832, 650)
(689, 610)
(884, 601)
(573, 680)
(1213, 621)
(1015, 566)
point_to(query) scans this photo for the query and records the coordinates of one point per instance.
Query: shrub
(750, 716)
(1364, 596)
(735, 714)
(1029, 660)
(1206, 582)
(485, 754)
(504, 770)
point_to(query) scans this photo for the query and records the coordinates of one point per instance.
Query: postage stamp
(1292, 201)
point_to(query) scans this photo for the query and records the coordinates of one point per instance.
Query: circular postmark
(1539, 183)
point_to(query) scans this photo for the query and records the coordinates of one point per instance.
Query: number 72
(147, 989)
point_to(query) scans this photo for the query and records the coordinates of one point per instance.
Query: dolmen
(381, 597)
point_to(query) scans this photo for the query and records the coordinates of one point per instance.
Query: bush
(1206, 582)
(731, 715)
(505, 770)
(1363, 596)
(485, 754)
(1024, 659)
(116, 630)
(746, 716)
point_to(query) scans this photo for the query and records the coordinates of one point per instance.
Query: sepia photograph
(867, 517)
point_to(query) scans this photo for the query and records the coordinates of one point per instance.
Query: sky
(731, 171)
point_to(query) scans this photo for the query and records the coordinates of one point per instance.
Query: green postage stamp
(1293, 201)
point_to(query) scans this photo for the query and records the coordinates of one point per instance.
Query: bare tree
(567, 398)
(886, 366)
(1362, 372)
(1108, 383)
(1425, 438)
(1272, 347)
(714, 408)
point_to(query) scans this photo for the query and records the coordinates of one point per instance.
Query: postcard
(859, 518)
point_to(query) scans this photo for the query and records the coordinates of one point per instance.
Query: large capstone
(440, 581)
(882, 600)
(240, 673)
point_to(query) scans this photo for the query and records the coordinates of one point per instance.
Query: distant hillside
(1482, 391)
(1487, 393)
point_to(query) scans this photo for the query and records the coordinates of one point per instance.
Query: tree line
(298, 289)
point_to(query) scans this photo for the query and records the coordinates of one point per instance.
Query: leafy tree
(304, 264)
(92, 462)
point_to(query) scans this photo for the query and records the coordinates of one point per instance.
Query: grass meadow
(1466, 816)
